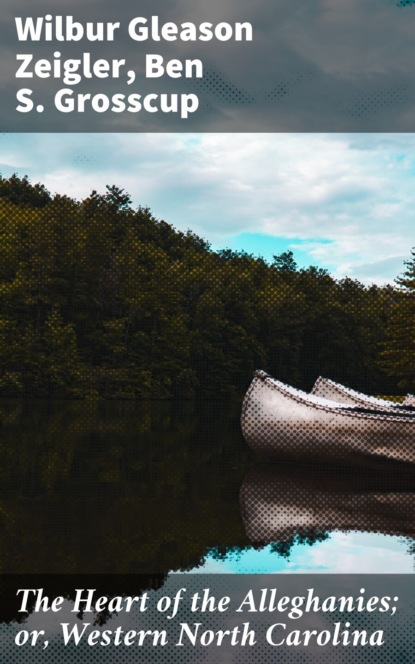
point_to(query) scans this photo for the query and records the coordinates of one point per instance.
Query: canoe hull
(279, 421)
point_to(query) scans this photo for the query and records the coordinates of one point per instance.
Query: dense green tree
(20, 192)
(285, 262)
(100, 299)
(398, 355)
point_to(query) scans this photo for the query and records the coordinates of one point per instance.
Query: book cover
(189, 194)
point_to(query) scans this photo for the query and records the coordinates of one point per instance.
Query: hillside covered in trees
(100, 299)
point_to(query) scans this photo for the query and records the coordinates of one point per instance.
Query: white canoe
(278, 420)
(409, 400)
(329, 389)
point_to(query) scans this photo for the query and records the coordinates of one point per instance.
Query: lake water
(159, 487)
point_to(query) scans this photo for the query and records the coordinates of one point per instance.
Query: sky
(327, 65)
(341, 553)
(343, 202)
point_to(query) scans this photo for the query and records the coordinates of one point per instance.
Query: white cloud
(349, 553)
(341, 553)
(348, 198)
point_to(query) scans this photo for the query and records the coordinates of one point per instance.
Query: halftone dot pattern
(278, 420)
(285, 86)
(84, 159)
(329, 389)
(214, 85)
(282, 501)
(328, 606)
(372, 105)
(379, 102)
(123, 269)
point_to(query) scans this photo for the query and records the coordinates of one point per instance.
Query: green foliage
(100, 300)
(20, 192)
(285, 262)
(398, 354)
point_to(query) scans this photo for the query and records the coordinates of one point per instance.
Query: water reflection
(283, 502)
(151, 487)
(118, 487)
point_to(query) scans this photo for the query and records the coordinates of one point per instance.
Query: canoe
(281, 501)
(280, 421)
(329, 389)
(409, 400)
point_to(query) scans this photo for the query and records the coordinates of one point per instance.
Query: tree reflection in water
(118, 487)
(145, 488)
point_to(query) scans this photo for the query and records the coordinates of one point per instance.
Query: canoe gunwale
(331, 407)
(357, 397)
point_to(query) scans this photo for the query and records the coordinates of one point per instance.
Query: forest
(102, 300)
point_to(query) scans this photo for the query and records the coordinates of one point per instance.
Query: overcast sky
(344, 202)
(327, 65)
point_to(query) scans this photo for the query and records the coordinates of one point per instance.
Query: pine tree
(398, 355)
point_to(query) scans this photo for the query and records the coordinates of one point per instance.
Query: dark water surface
(154, 487)
(118, 487)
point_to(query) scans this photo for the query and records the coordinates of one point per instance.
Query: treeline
(100, 299)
